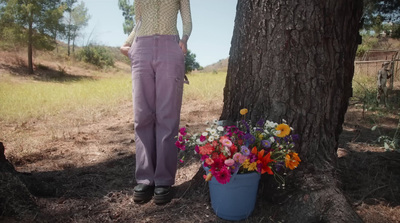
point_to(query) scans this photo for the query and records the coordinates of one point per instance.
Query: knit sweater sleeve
(131, 36)
(186, 17)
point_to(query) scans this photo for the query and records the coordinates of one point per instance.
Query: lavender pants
(158, 71)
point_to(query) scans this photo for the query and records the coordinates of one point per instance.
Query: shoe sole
(142, 197)
(162, 198)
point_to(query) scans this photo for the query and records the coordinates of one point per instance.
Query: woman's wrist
(185, 38)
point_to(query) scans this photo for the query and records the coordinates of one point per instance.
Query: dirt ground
(89, 175)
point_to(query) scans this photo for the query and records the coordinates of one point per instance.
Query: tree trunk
(294, 60)
(69, 44)
(30, 45)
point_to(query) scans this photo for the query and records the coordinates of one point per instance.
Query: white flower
(213, 131)
(220, 128)
(198, 142)
(215, 121)
(277, 132)
(227, 151)
(204, 134)
(211, 138)
(271, 139)
(208, 129)
(269, 124)
(283, 120)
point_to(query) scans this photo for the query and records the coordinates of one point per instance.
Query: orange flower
(265, 160)
(254, 150)
(243, 111)
(292, 160)
(283, 129)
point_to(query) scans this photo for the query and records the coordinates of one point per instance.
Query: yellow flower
(243, 111)
(252, 166)
(246, 164)
(283, 129)
(292, 160)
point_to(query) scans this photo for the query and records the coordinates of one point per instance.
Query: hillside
(220, 66)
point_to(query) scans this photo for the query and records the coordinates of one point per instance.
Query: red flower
(233, 149)
(223, 176)
(264, 161)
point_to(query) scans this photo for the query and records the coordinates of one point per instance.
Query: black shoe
(162, 194)
(142, 193)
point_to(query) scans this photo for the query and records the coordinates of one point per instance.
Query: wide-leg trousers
(158, 71)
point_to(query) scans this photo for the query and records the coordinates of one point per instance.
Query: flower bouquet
(266, 147)
(234, 156)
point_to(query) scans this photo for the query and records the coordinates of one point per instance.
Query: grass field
(23, 100)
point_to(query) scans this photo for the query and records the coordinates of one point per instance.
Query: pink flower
(237, 156)
(182, 131)
(209, 161)
(223, 176)
(242, 158)
(226, 142)
(229, 162)
(202, 138)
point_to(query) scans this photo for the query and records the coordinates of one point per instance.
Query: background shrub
(99, 56)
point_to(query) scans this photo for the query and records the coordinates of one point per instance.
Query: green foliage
(128, 11)
(190, 62)
(96, 55)
(389, 143)
(387, 10)
(396, 31)
(368, 42)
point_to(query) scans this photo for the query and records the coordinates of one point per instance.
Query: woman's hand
(183, 44)
(125, 49)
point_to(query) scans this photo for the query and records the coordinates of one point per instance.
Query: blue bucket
(236, 199)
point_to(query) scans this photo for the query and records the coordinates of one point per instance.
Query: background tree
(34, 23)
(190, 62)
(378, 12)
(294, 60)
(76, 18)
(128, 11)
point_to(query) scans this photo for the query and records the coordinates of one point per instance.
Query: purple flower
(202, 138)
(197, 149)
(295, 137)
(260, 123)
(245, 151)
(246, 125)
(252, 158)
(249, 139)
(266, 144)
(279, 166)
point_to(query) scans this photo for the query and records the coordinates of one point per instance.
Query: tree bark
(294, 60)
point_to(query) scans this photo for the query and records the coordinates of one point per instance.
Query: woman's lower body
(158, 71)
